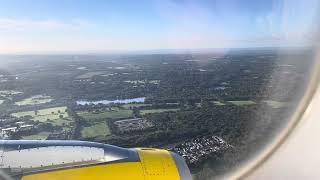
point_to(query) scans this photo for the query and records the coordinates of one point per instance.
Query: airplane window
(215, 82)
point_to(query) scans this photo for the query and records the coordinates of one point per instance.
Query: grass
(218, 103)
(149, 111)
(114, 114)
(39, 136)
(89, 75)
(46, 115)
(275, 104)
(38, 99)
(127, 106)
(99, 129)
(242, 103)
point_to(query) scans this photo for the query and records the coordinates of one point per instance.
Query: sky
(41, 26)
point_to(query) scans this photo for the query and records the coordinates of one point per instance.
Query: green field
(49, 115)
(99, 129)
(127, 106)
(242, 103)
(114, 114)
(89, 75)
(39, 136)
(97, 120)
(218, 103)
(275, 104)
(38, 99)
(149, 111)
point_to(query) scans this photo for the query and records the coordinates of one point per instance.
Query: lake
(118, 101)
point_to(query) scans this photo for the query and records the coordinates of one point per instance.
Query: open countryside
(43, 115)
(207, 107)
(38, 99)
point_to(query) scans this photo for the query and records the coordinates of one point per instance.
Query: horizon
(162, 51)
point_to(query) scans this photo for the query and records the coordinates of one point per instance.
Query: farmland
(98, 129)
(218, 103)
(38, 99)
(131, 106)
(96, 120)
(39, 136)
(150, 111)
(112, 114)
(55, 116)
(242, 103)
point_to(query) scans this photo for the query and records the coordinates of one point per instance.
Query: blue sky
(107, 25)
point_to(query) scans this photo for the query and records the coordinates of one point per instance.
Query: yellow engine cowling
(139, 163)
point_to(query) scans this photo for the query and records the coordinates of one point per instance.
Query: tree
(136, 112)
(60, 116)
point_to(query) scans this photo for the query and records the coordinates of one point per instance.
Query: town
(197, 149)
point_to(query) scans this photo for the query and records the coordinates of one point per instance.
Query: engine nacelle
(77, 160)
